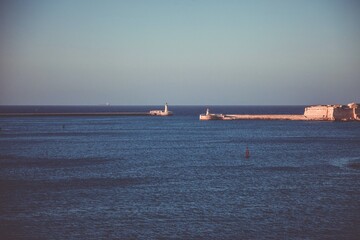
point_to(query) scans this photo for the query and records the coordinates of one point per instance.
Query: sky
(199, 52)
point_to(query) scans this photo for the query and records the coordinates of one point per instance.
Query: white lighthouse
(166, 108)
(164, 112)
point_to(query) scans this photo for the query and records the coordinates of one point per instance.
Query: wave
(346, 162)
(12, 161)
(67, 184)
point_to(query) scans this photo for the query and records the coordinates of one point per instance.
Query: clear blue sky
(182, 52)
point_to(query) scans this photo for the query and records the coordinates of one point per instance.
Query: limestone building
(333, 112)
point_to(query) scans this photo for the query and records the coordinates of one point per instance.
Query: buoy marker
(247, 152)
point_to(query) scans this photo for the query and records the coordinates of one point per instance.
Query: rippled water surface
(177, 177)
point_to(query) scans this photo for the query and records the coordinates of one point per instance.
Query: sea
(147, 177)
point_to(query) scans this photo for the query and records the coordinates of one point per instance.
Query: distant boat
(164, 112)
(247, 153)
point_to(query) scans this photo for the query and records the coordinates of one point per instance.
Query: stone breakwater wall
(264, 117)
(269, 117)
(71, 114)
(349, 112)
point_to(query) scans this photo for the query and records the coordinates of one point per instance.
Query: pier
(254, 117)
(264, 117)
(71, 114)
(349, 112)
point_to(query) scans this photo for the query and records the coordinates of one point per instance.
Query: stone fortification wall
(356, 110)
(341, 113)
(357, 113)
(319, 112)
(331, 112)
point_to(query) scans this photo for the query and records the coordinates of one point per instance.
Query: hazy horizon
(176, 105)
(181, 52)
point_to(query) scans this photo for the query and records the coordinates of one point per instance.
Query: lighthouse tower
(166, 108)
(166, 112)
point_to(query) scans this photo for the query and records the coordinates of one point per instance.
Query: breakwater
(71, 114)
(264, 117)
(349, 112)
(255, 117)
(294, 117)
(80, 112)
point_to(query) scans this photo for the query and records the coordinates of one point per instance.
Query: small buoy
(247, 152)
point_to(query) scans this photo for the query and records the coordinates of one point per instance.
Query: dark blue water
(178, 177)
